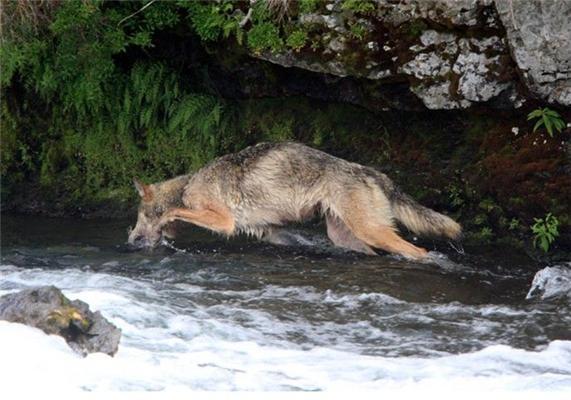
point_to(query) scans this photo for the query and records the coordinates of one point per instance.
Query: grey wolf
(263, 187)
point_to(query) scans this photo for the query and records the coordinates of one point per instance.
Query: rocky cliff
(449, 53)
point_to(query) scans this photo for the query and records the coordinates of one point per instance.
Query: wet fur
(270, 184)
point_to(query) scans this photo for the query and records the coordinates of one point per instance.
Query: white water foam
(226, 342)
(208, 363)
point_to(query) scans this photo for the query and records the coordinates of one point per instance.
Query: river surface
(216, 314)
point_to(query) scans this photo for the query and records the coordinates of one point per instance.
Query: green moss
(359, 6)
(309, 6)
(297, 39)
(415, 28)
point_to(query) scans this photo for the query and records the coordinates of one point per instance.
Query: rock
(551, 283)
(46, 308)
(539, 36)
(452, 53)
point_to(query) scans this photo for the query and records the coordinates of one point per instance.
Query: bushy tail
(422, 220)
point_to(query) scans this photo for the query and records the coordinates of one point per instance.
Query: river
(213, 314)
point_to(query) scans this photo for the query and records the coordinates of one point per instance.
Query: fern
(548, 118)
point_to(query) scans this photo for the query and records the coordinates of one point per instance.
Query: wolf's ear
(145, 191)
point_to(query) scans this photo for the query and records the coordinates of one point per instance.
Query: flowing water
(241, 315)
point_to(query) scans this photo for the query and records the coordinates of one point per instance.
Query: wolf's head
(147, 232)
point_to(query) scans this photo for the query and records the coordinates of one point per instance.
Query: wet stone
(46, 308)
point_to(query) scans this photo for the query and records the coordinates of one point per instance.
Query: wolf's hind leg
(387, 239)
(341, 236)
(367, 214)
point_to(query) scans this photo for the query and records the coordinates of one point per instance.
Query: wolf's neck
(171, 191)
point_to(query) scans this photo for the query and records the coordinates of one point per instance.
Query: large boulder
(539, 36)
(46, 308)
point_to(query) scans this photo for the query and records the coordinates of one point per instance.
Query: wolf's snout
(139, 242)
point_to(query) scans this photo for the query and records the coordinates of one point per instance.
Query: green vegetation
(485, 234)
(211, 20)
(548, 118)
(358, 30)
(97, 92)
(309, 6)
(546, 230)
(297, 40)
(514, 224)
(359, 6)
(94, 97)
(455, 196)
(415, 28)
(265, 36)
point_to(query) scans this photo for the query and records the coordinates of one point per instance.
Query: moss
(64, 317)
(297, 40)
(309, 6)
(415, 28)
(359, 6)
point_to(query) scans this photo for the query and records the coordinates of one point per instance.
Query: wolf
(261, 188)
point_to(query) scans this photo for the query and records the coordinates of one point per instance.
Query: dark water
(228, 309)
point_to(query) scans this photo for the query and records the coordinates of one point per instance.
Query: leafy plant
(480, 219)
(486, 233)
(265, 36)
(514, 224)
(297, 39)
(487, 205)
(546, 230)
(548, 118)
(211, 20)
(357, 30)
(455, 196)
(315, 44)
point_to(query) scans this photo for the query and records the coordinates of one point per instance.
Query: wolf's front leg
(217, 219)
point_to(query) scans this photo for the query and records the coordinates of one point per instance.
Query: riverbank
(159, 93)
(490, 172)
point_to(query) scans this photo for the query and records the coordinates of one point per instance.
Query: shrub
(546, 230)
(265, 36)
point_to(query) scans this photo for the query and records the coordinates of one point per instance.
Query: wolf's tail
(422, 220)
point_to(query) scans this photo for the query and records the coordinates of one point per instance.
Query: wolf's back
(422, 220)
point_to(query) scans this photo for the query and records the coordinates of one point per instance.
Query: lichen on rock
(454, 53)
(539, 36)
